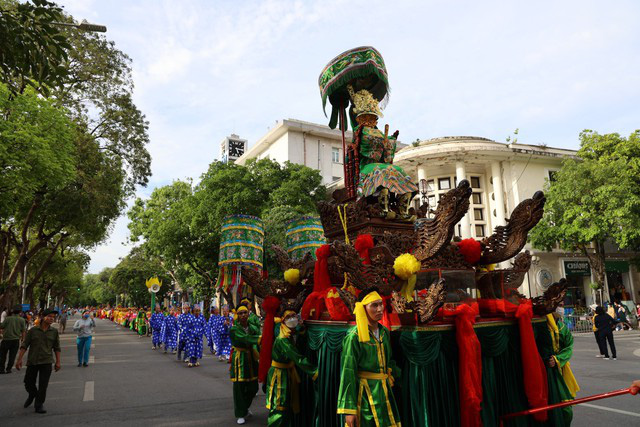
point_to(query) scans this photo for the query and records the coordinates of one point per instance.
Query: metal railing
(578, 324)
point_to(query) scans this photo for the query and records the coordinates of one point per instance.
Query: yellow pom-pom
(292, 276)
(405, 266)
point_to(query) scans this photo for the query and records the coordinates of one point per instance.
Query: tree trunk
(596, 260)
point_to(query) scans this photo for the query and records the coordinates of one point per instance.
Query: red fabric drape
(534, 371)
(386, 319)
(270, 306)
(314, 304)
(337, 309)
(469, 364)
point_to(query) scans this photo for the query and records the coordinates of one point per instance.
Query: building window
(335, 178)
(444, 184)
(335, 155)
(459, 230)
(475, 182)
(552, 176)
(477, 214)
(476, 198)
(432, 201)
(479, 230)
(430, 185)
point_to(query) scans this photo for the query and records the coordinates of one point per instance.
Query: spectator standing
(13, 328)
(41, 341)
(605, 324)
(84, 328)
(4, 314)
(63, 321)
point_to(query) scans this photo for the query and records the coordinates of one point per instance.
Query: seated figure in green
(379, 177)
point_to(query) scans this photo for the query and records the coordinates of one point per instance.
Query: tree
(180, 224)
(33, 50)
(594, 200)
(130, 275)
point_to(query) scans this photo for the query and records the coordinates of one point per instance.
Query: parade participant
(156, 321)
(283, 392)
(244, 363)
(185, 324)
(213, 318)
(254, 319)
(170, 332)
(194, 345)
(367, 369)
(84, 328)
(220, 334)
(565, 383)
(141, 323)
(13, 328)
(42, 341)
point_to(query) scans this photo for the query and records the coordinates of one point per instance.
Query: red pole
(563, 404)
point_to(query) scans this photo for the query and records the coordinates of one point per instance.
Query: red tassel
(469, 364)
(314, 305)
(270, 306)
(363, 243)
(471, 249)
(534, 371)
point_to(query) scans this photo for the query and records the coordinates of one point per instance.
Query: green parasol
(363, 68)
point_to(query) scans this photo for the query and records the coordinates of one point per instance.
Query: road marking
(88, 391)
(636, 352)
(92, 359)
(604, 408)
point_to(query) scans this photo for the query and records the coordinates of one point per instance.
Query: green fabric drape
(429, 363)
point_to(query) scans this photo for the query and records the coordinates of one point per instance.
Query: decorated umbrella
(241, 244)
(362, 68)
(304, 235)
(356, 69)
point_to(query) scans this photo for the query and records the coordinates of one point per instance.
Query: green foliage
(33, 50)
(594, 199)
(129, 276)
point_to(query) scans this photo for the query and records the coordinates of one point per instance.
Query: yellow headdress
(364, 102)
(362, 323)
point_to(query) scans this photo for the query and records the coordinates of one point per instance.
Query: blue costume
(169, 333)
(194, 344)
(156, 321)
(220, 335)
(209, 331)
(185, 325)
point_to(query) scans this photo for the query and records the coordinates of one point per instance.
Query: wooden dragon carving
(506, 241)
(552, 297)
(436, 233)
(426, 305)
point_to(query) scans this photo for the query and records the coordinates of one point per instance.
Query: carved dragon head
(454, 204)
(528, 213)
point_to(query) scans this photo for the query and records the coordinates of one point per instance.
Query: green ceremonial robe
(244, 366)
(563, 384)
(254, 320)
(141, 323)
(366, 378)
(283, 391)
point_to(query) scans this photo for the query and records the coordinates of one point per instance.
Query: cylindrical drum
(304, 235)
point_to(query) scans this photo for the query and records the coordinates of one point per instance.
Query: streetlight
(84, 25)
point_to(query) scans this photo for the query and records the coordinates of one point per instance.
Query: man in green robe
(141, 323)
(244, 363)
(562, 383)
(367, 370)
(254, 319)
(283, 381)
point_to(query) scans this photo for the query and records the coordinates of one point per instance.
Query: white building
(501, 176)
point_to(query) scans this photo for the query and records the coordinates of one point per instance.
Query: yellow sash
(565, 371)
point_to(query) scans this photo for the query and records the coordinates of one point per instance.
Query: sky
(205, 69)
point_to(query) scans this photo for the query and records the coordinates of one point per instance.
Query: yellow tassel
(409, 287)
(405, 266)
(292, 276)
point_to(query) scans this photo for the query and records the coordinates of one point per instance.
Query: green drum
(304, 235)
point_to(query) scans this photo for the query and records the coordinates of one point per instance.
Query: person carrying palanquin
(283, 379)
(563, 385)
(254, 319)
(367, 369)
(244, 363)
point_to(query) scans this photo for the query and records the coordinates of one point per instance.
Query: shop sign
(577, 268)
(617, 266)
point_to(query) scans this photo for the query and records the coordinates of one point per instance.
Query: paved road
(128, 383)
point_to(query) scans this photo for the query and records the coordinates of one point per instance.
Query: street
(126, 382)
